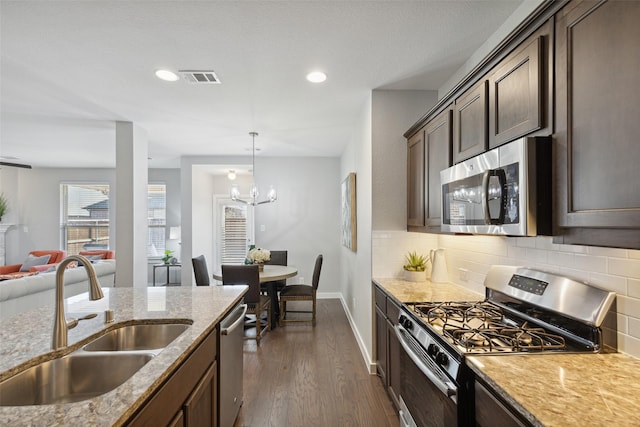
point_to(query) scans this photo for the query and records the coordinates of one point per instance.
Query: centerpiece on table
(258, 256)
(416, 267)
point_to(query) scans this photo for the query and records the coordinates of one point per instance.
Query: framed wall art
(349, 219)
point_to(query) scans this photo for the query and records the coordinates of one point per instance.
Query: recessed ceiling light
(166, 75)
(316, 77)
(231, 175)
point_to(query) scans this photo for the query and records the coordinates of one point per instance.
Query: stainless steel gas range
(525, 311)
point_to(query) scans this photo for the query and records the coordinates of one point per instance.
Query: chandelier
(272, 195)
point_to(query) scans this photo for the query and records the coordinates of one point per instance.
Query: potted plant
(4, 205)
(416, 266)
(168, 254)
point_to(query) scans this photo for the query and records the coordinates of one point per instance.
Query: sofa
(26, 293)
(55, 257)
(99, 253)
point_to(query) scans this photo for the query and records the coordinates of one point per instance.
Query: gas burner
(442, 313)
(525, 338)
(473, 339)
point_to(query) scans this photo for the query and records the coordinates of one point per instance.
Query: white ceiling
(71, 68)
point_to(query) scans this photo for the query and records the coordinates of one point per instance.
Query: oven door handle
(447, 388)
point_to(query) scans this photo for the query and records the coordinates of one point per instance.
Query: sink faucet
(60, 325)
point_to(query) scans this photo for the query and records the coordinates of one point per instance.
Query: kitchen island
(545, 389)
(25, 340)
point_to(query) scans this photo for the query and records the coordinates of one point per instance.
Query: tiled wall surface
(617, 270)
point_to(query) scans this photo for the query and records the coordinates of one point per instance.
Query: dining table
(269, 274)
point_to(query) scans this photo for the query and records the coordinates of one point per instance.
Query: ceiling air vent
(200, 77)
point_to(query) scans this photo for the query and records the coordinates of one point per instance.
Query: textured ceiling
(70, 69)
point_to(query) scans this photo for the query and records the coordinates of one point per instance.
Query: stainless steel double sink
(95, 369)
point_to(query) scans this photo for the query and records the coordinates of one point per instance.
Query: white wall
(305, 220)
(202, 191)
(355, 273)
(377, 153)
(393, 112)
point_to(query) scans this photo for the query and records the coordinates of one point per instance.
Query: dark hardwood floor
(306, 376)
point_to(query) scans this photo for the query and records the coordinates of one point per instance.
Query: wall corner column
(132, 151)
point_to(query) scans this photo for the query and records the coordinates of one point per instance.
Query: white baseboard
(371, 367)
(329, 295)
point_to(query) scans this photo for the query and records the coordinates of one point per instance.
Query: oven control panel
(431, 348)
(528, 284)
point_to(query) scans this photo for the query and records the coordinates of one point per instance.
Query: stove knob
(433, 350)
(442, 359)
(408, 324)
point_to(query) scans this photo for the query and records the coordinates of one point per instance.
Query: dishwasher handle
(242, 309)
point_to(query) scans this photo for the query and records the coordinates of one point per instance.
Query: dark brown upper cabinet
(516, 94)
(521, 90)
(415, 180)
(597, 153)
(438, 157)
(470, 123)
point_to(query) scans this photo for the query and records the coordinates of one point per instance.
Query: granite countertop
(566, 389)
(403, 291)
(546, 389)
(25, 339)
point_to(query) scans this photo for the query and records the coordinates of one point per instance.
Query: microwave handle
(502, 179)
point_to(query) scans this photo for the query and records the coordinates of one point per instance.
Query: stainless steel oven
(525, 311)
(504, 191)
(429, 380)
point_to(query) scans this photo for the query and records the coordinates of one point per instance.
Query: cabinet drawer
(168, 401)
(393, 311)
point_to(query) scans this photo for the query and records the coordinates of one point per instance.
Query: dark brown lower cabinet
(189, 396)
(381, 345)
(387, 344)
(393, 353)
(490, 412)
(200, 407)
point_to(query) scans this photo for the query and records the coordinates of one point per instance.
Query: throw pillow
(32, 261)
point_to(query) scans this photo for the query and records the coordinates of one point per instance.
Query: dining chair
(256, 303)
(272, 288)
(301, 293)
(200, 271)
(278, 258)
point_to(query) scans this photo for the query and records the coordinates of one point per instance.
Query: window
(156, 219)
(85, 217)
(234, 226)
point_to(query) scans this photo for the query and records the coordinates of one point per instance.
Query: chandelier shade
(254, 194)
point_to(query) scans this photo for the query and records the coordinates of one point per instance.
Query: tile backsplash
(469, 258)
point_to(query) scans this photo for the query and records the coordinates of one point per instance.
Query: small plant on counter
(416, 262)
(168, 254)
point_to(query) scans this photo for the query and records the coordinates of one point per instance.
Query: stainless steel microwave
(504, 191)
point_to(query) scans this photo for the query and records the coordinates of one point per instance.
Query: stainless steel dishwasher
(231, 365)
